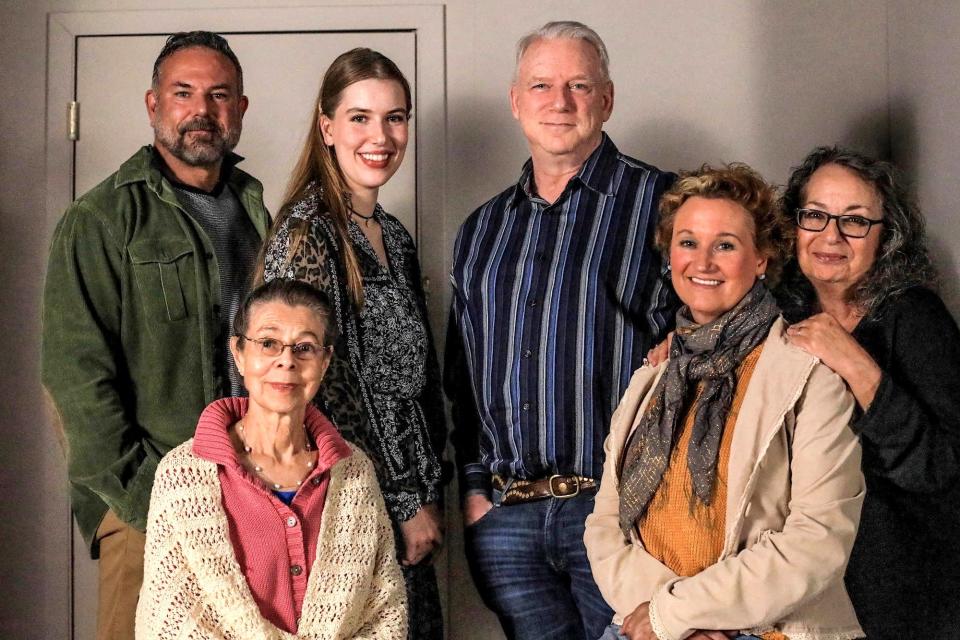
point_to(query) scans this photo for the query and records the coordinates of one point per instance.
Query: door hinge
(73, 120)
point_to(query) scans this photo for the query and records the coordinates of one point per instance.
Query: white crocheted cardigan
(193, 586)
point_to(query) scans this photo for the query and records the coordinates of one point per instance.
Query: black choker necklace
(360, 215)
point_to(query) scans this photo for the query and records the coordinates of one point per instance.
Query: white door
(108, 59)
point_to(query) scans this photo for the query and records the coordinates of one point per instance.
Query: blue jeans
(530, 567)
(613, 633)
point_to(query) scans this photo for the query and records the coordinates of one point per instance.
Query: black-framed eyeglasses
(272, 348)
(851, 226)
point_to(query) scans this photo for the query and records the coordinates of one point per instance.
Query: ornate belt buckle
(560, 486)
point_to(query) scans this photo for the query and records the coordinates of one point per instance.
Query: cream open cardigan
(194, 587)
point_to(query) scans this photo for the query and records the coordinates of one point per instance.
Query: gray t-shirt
(236, 244)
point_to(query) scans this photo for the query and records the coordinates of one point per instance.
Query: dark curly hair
(738, 183)
(902, 259)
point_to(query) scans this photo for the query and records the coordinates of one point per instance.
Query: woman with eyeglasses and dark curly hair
(859, 293)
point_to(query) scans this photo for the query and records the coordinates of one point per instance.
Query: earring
(669, 267)
(762, 276)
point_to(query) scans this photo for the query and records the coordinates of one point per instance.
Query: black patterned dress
(382, 389)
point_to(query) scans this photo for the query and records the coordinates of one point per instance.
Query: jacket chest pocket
(163, 270)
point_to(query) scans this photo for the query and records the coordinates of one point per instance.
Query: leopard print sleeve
(315, 261)
(343, 396)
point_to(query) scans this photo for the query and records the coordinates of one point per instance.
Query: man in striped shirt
(558, 296)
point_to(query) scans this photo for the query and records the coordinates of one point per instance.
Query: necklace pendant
(276, 486)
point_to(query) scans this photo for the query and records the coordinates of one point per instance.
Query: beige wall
(925, 121)
(755, 81)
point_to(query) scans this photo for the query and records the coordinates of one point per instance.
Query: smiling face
(196, 109)
(830, 260)
(368, 132)
(561, 98)
(713, 256)
(282, 384)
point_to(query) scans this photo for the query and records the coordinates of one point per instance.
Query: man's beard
(194, 151)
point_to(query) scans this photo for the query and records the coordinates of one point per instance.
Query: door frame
(427, 22)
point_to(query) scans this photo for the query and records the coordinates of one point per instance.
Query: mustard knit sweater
(193, 586)
(682, 533)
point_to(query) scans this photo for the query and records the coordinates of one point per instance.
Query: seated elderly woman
(859, 293)
(267, 523)
(732, 486)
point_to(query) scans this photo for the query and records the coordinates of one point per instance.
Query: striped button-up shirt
(555, 305)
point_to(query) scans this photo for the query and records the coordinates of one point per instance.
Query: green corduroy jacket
(130, 316)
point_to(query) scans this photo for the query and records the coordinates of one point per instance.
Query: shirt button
(295, 569)
(527, 353)
(315, 481)
(526, 406)
(291, 521)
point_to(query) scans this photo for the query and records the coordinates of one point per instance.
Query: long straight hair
(318, 167)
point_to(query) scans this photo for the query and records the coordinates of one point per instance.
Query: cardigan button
(295, 569)
(315, 481)
(291, 521)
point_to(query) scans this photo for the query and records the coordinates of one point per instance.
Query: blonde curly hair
(742, 185)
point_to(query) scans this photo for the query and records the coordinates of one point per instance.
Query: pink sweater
(275, 544)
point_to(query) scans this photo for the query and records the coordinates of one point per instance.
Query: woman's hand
(422, 534)
(474, 508)
(636, 626)
(822, 336)
(659, 353)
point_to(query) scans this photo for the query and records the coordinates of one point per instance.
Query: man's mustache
(199, 124)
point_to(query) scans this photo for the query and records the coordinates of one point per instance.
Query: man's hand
(659, 353)
(422, 534)
(474, 508)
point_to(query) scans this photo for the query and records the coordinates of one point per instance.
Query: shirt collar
(596, 173)
(212, 440)
(147, 166)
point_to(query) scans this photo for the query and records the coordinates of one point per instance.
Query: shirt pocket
(160, 267)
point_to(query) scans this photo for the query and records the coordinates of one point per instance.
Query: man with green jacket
(144, 275)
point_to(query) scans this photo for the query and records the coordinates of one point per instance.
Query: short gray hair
(569, 29)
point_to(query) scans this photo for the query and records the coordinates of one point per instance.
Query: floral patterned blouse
(382, 389)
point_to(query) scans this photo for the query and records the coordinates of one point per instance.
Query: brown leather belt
(556, 486)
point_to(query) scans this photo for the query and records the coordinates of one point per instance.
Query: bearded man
(145, 273)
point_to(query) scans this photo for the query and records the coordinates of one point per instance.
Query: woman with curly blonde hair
(732, 487)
